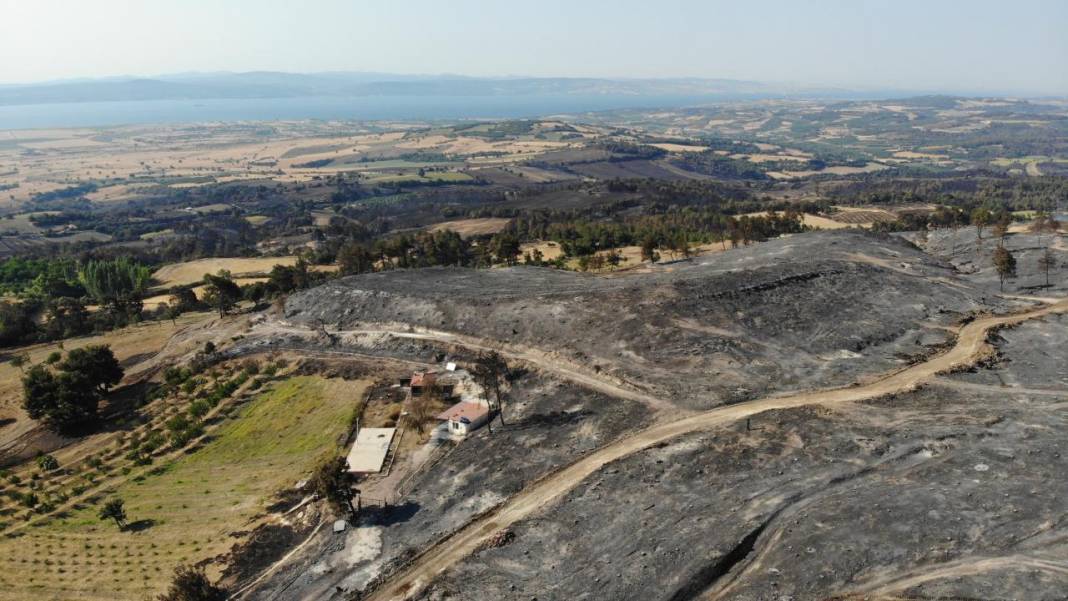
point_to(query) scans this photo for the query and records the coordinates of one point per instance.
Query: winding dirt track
(551, 363)
(879, 588)
(970, 345)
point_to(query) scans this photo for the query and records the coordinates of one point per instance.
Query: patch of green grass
(195, 500)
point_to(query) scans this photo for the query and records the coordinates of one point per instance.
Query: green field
(187, 506)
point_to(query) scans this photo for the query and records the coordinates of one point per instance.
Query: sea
(369, 108)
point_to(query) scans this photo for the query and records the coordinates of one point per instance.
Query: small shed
(465, 417)
(370, 449)
(422, 381)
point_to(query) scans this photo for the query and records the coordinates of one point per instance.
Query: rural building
(370, 449)
(422, 381)
(465, 417)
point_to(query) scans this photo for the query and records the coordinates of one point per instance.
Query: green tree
(65, 317)
(505, 247)
(184, 299)
(353, 258)
(47, 463)
(333, 482)
(1005, 264)
(192, 584)
(220, 292)
(981, 218)
(114, 509)
(118, 284)
(68, 396)
(20, 361)
(62, 400)
(17, 322)
(255, 292)
(97, 364)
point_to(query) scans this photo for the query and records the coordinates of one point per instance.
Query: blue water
(90, 114)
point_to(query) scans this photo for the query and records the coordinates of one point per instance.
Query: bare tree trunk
(500, 406)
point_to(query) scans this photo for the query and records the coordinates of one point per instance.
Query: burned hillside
(818, 309)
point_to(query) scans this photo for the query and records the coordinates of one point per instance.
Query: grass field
(189, 507)
(472, 227)
(191, 272)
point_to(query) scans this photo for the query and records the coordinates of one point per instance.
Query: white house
(465, 417)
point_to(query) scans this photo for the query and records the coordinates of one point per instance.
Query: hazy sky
(953, 45)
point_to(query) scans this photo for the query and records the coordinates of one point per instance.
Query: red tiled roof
(423, 379)
(472, 411)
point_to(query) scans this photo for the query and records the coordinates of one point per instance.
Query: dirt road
(970, 345)
(550, 363)
(881, 586)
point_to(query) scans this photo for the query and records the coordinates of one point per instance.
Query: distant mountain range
(202, 86)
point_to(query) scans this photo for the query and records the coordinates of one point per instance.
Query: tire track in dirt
(891, 585)
(970, 346)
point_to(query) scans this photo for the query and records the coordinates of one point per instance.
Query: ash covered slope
(812, 310)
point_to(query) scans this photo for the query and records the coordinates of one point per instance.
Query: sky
(1018, 47)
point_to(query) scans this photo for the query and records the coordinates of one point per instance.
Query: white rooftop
(370, 449)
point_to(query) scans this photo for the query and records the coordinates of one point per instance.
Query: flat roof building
(370, 449)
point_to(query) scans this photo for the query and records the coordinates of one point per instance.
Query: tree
(220, 291)
(355, 258)
(285, 279)
(97, 364)
(981, 218)
(65, 317)
(17, 322)
(333, 482)
(172, 312)
(506, 247)
(114, 509)
(20, 361)
(649, 250)
(1005, 263)
(1046, 262)
(184, 299)
(64, 401)
(118, 284)
(192, 584)
(254, 292)
(67, 396)
(490, 369)
(421, 408)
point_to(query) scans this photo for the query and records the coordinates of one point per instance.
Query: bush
(199, 408)
(47, 463)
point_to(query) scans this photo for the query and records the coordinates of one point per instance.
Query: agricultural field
(472, 227)
(188, 507)
(246, 268)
